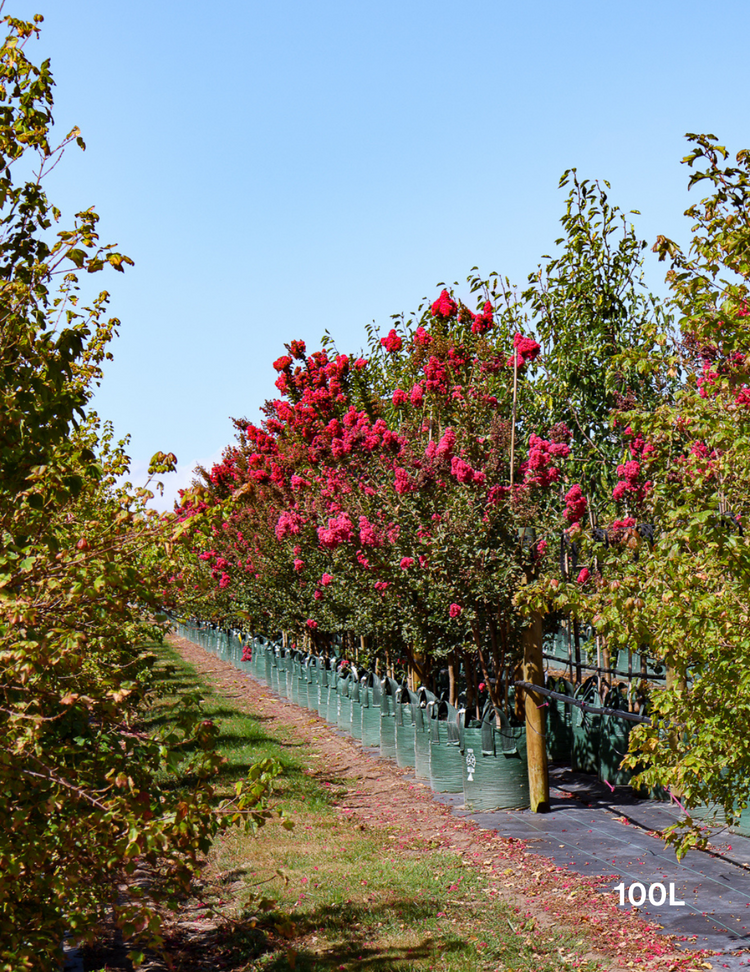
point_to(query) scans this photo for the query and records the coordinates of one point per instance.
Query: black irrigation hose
(605, 671)
(595, 709)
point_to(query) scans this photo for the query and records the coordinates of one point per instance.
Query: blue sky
(278, 169)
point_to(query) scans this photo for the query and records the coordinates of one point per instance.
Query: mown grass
(340, 896)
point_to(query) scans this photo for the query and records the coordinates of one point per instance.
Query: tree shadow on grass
(357, 925)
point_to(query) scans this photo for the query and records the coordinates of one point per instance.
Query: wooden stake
(536, 743)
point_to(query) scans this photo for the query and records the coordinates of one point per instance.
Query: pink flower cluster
(392, 343)
(402, 484)
(367, 534)
(437, 376)
(339, 531)
(443, 448)
(444, 307)
(539, 469)
(287, 523)
(526, 350)
(464, 473)
(421, 338)
(630, 484)
(484, 320)
(454, 610)
(576, 505)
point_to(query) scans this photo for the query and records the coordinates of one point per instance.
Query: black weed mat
(592, 830)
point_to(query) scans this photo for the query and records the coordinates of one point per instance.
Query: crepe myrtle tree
(685, 594)
(382, 487)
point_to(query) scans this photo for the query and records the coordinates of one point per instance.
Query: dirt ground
(381, 795)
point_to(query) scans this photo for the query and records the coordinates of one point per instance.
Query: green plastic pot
(344, 711)
(332, 708)
(424, 699)
(495, 769)
(322, 688)
(356, 704)
(613, 740)
(369, 694)
(277, 671)
(586, 730)
(405, 740)
(446, 759)
(559, 721)
(389, 687)
(304, 682)
(295, 673)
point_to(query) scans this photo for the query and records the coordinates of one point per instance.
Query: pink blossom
(326, 579)
(446, 444)
(392, 342)
(340, 530)
(282, 363)
(402, 483)
(311, 624)
(526, 350)
(224, 582)
(416, 395)
(484, 321)
(454, 610)
(299, 564)
(619, 491)
(461, 470)
(406, 562)
(399, 397)
(421, 338)
(287, 523)
(444, 306)
(576, 504)
(367, 535)
(436, 375)
(583, 576)
(360, 364)
(381, 586)
(317, 595)
(631, 470)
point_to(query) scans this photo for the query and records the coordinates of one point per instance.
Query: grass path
(374, 876)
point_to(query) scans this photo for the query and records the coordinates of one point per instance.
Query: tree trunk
(536, 744)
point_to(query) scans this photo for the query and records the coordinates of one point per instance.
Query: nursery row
(484, 759)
